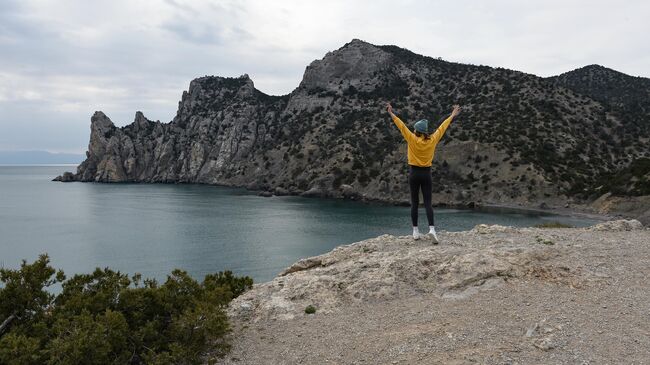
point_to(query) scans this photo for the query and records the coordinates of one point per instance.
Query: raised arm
(437, 135)
(406, 133)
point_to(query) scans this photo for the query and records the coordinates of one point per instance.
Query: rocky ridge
(491, 295)
(521, 139)
(389, 267)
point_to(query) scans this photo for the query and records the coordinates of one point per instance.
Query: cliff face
(520, 138)
(219, 123)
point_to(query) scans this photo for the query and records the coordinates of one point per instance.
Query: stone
(545, 344)
(531, 330)
(252, 186)
(280, 191)
(488, 229)
(617, 225)
(348, 191)
(383, 186)
(301, 265)
(265, 194)
(314, 192)
(66, 177)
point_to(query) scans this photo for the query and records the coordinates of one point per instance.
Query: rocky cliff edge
(390, 267)
(492, 295)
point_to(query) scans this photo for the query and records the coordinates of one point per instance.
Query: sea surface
(154, 228)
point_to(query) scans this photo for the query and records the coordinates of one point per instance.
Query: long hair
(426, 136)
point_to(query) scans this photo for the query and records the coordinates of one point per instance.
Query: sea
(152, 229)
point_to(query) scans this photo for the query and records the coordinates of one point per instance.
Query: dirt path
(586, 300)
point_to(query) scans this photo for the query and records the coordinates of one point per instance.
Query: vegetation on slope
(520, 137)
(633, 180)
(575, 139)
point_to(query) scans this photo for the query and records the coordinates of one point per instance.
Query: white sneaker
(432, 235)
(416, 234)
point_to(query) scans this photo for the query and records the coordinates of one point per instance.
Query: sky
(61, 60)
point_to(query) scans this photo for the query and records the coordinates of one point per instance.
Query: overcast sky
(62, 60)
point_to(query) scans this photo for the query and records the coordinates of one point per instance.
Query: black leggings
(420, 178)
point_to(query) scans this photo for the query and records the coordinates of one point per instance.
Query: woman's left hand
(456, 111)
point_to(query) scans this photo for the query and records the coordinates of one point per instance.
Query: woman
(421, 148)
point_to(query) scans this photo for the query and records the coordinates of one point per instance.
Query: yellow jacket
(420, 150)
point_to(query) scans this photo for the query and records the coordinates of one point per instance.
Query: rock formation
(520, 139)
(389, 268)
(492, 295)
(384, 268)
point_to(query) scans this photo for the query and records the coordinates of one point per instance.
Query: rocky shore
(492, 295)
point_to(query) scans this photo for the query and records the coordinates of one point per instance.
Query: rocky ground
(492, 295)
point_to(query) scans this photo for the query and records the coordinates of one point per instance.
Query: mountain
(628, 98)
(519, 139)
(625, 94)
(38, 157)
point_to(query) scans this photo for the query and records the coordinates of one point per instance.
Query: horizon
(66, 61)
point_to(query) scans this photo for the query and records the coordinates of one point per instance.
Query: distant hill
(38, 157)
(627, 98)
(520, 138)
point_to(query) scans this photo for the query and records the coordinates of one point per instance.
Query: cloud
(207, 24)
(61, 61)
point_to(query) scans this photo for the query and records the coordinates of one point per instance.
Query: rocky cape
(521, 139)
(491, 295)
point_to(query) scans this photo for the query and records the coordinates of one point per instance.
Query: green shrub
(108, 318)
(310, 309)
(544, 241)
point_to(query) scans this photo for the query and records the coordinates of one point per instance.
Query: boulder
(348, 191)
(488, 229)
(253, 186)
(617, 225)
(66, 177)
(314, 192)
(301, 265)
(280, 191)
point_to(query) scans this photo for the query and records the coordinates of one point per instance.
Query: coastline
(570, 212)
(576, 211)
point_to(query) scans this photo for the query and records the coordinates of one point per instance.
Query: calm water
(152, 229)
